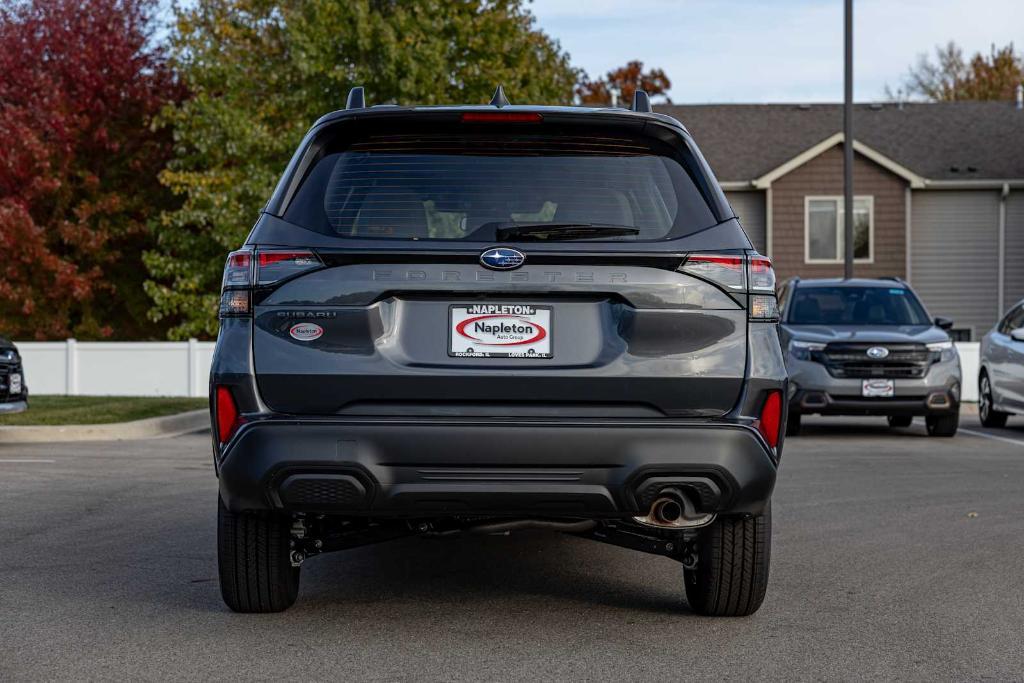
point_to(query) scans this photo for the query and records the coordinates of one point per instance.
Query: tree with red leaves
(625, 81)
(80, 82)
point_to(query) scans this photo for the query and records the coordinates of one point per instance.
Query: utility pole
(848, 141)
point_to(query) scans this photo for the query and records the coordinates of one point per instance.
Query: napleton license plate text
(500, 331)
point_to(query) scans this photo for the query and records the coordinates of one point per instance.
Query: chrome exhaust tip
(673, 510)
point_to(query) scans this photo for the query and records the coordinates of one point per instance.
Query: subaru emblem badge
(502, 258)
(878, 352)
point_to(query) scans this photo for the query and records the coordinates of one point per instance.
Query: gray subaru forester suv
(868, 347)
(482, 319)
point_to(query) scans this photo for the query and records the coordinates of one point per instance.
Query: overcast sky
(772, 50)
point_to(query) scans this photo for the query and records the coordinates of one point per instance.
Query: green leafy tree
(261, 72)
(950, 76)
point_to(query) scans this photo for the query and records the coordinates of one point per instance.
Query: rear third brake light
(501, 117)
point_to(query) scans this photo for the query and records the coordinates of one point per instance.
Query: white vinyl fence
(970, 355)
(79, 368)
(182, 368)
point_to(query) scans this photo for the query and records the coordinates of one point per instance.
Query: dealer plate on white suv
(878, 388)
(500, 331)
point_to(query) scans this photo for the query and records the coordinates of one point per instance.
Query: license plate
(878, 388)
(499, 331)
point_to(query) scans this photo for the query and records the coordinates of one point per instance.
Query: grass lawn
(67, 410)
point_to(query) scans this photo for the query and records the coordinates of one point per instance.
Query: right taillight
(741, 273)
(726, 270)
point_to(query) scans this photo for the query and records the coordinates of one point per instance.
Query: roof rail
(356, 98)
(641, 101)
(499, 100)
(894, 278)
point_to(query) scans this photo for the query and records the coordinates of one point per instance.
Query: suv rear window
(856, 306)
(467, 185)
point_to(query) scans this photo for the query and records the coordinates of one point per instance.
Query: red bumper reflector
(228, 419)
(771, 418)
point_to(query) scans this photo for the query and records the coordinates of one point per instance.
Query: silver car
(1001, 372)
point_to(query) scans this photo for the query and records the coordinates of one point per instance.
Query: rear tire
(253, 556)
(942, 425)
(900, 420)
(793, 423)
(733, 557)
(989, 416)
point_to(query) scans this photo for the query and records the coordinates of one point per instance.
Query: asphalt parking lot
(895, 556)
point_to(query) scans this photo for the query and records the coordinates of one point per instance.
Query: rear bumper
(424, 468)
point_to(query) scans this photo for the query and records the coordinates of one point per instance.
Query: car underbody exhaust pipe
(673, 509)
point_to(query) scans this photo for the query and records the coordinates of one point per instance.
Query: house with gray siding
(938, 194)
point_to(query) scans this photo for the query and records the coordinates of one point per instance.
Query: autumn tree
(624, 81)
(950, 76)
(261, 71)
(80, 82)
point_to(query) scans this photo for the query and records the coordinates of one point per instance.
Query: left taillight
(227, 415)
(236, 285)
(750, 274)
(246, 270)
(273, 266)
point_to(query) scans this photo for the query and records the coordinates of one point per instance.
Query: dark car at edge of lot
(13, 390)
(481, 319)
(867, 347)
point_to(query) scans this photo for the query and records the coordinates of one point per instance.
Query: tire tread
(731, 577)
(253, 560)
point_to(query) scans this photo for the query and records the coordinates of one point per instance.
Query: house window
(823, 229)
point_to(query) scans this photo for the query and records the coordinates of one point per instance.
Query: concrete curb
(150, 428)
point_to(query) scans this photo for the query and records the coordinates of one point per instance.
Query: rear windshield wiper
(560, 231)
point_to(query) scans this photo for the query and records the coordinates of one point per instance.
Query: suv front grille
(850, 360)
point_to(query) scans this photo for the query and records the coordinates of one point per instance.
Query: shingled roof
(938, 141)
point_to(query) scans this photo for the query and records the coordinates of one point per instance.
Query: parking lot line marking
(17, 460)
(992, 436)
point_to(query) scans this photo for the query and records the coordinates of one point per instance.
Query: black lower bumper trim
(436, 468)
(821, 403)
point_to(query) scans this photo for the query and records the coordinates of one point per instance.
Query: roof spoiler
(357, 99)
